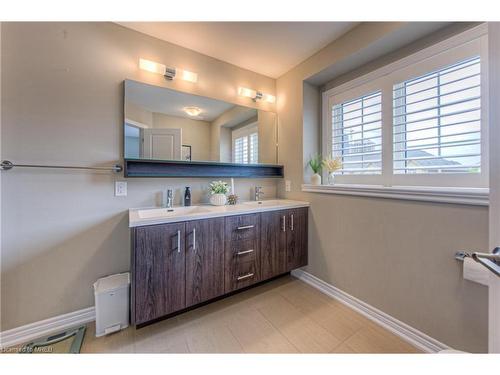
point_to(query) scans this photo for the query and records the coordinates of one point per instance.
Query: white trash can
(112, 303)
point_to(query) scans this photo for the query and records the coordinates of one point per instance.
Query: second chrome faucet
(258, 193)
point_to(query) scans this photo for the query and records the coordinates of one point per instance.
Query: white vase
(331, 178)
(218, 199)
(316, 179)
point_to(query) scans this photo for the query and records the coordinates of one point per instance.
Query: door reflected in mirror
(164, 124)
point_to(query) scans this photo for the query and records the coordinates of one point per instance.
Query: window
(357, 134)
(437, 121)
(420, 121)
(246, 145)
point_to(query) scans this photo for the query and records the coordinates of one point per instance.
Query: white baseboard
(28, 332)
(403, 330)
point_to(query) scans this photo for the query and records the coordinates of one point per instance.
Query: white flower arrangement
(219, 187)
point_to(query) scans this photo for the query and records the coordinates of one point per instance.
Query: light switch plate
(288, 185)
(120, 188)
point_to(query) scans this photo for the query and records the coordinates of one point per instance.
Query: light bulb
(186, 75)
(152, 66)
(249, 93)
(269, 98)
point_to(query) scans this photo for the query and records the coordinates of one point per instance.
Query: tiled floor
(283, 316)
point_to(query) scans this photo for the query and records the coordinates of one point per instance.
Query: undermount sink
(170, 212)
(266, 203)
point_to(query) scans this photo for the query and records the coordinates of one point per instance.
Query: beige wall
(267, 137)
(138, 114)
(63, 104)
(395, 255)
(195, 133)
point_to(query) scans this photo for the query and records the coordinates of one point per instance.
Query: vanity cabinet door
(273, 243)
(296, 238)
(159, 271)
(204, 260)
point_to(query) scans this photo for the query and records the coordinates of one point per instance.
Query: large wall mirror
(164, 124)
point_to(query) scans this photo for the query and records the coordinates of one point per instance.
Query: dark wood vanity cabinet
(159, 272)
(176, 266)
(273, 243)
(283, 241)
(296, 238)
(204, 260)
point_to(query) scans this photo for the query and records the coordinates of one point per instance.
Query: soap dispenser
(187, 196)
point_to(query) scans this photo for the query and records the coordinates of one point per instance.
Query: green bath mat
(69, 341)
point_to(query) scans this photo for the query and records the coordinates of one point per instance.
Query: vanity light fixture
(192, 111)
(169, 73)
(256, 95)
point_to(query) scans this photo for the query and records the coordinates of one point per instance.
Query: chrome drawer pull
(244, 276)
(179, 241)
(291, 222)
(246, 227)
(283, 227)
(244, 252)
(194, 239)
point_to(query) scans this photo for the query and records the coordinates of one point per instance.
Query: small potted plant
(218, 191)
(316, 163)
(331, 165)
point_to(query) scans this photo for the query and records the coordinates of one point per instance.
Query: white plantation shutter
(240, 152)
(246, 145)
(254, 148)
(437, 121)
(357, 134)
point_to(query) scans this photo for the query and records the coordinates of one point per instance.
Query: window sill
(468, 196)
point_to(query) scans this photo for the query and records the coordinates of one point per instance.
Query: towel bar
(6, 165)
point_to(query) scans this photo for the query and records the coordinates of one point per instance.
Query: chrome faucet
(258, 192)
(169, 202)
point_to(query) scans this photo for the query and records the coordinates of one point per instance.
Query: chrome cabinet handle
(283, 226)
(291, 222)
(244, 252)
(179, 241)
(245, 227)
(194, 239)
(244, 276)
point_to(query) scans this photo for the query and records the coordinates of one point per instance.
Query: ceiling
(171, 102)
(268, 48)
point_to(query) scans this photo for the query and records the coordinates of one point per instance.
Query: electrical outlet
(120, 188)
(288, 185)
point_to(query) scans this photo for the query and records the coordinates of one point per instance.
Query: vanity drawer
(243, 274)
(243, 250)
(242, 227)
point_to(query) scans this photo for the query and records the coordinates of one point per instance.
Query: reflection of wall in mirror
(195, 133)
(267, 137)
(220, 136)
(221, 144)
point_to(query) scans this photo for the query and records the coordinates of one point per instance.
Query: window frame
(457, 48)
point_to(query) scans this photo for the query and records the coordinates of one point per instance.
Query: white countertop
(154, 215)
